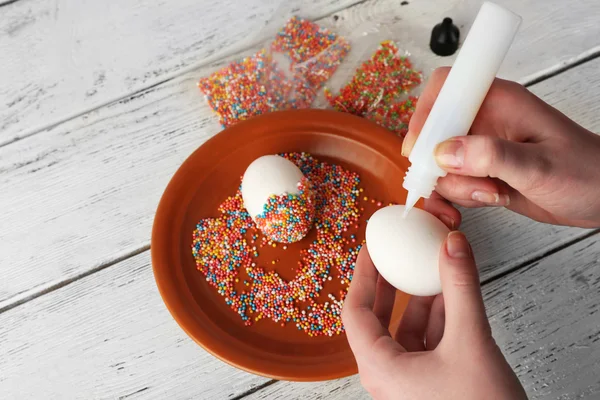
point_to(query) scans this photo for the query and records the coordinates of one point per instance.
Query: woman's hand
(443, 348)
(521, 154)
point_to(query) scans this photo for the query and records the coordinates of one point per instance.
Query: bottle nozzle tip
(406, 211)
(411, 200)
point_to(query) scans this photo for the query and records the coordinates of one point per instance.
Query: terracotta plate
(209, 176)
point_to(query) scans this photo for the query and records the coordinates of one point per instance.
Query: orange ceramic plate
(209, 176)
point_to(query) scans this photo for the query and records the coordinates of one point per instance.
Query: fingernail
(450, 153)
(448, 221)
(457, 245)
(406, 146)
(491, 199)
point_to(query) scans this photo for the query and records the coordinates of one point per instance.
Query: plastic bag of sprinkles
(286, 72)
(381, 88)
(381, 79)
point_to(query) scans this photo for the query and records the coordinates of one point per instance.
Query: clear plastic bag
(288, 72)
(378, 81)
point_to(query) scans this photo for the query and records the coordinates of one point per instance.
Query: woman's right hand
(521, 153)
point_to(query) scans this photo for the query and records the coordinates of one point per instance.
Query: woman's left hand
(443, 348)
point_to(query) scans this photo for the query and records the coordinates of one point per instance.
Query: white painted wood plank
(60, 58)
(83, 193)
(65, 57)
(545, 320)
(108, 336)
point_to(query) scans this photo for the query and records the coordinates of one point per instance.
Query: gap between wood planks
(576, 61)
(534, 260)
(7, 2)
(254, 389)
(66, 282)
(230, 51)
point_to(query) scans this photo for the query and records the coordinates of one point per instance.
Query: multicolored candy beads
(227, 248)
(246, 88)
(287, 218)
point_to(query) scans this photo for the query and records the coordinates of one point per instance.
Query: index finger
(366, 335)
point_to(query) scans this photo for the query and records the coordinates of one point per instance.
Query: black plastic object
(444, 38)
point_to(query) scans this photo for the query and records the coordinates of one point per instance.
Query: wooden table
(98, 108)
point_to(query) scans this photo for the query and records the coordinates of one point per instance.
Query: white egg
(406, 251)
(274, 177)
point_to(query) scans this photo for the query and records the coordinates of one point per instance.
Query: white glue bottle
(461, 95)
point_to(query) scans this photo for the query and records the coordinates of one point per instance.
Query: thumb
(463, 303)
(521, 165)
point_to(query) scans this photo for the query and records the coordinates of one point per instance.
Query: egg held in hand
(406, 251)
(279, 198)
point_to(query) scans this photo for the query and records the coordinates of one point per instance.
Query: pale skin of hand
(521, 153)
(443, 348)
